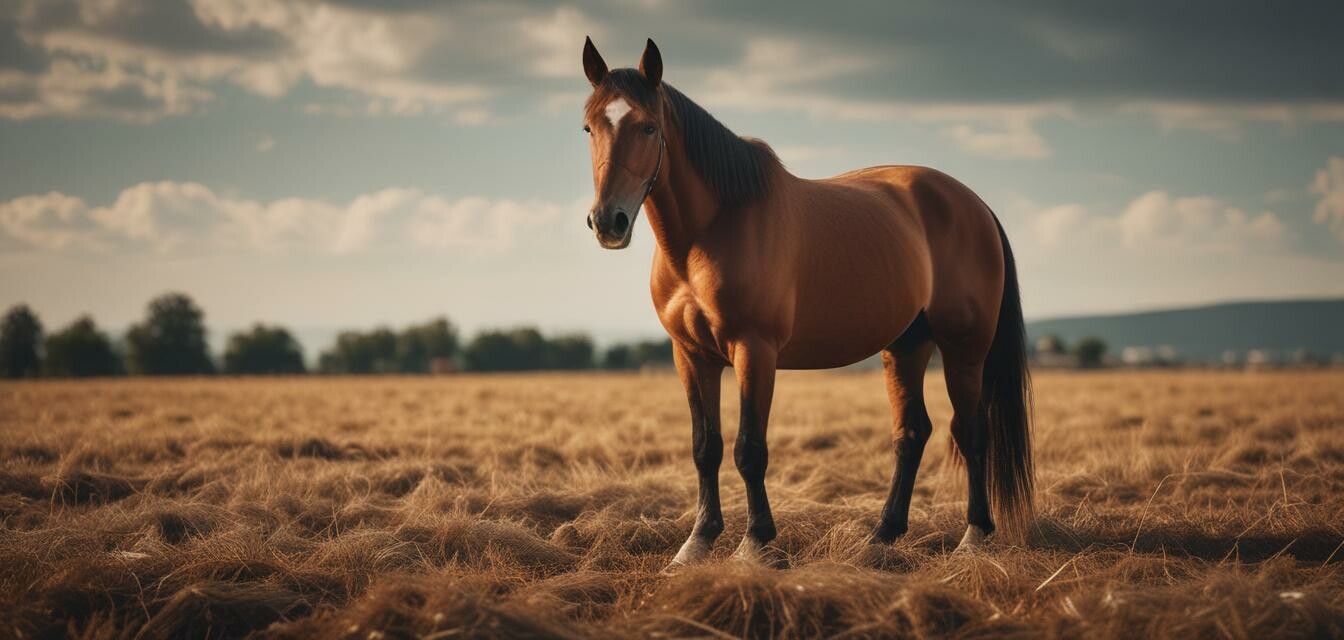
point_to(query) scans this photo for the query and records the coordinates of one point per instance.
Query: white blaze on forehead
(616, 109)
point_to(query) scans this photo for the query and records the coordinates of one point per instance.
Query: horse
(759, 270)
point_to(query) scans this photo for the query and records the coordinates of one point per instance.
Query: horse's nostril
(622, 222)
(590, 221)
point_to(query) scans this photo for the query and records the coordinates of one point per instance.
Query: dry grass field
(1177, 504)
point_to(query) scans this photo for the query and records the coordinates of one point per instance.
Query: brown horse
(760, 270)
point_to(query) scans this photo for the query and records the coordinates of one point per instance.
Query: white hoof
(760, 554)
(692, 551)
(973, 540)
(749, 550)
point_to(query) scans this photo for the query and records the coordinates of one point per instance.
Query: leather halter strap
(657, 168)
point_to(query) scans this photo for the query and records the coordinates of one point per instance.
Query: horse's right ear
(593, 65)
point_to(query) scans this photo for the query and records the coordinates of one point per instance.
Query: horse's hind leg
(905, 362)
(970, 432)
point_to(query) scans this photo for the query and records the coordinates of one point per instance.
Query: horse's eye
(586, 129)
(648, 130)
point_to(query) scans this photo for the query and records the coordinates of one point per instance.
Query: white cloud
(1016, 139)
(1157, 222)
(1230, 119)
(1158, 250)
(557, 36)
(1329, 185)
(168, 217)
(1054, 226)
(48, 221)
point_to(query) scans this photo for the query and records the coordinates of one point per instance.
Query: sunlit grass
(1169, 504)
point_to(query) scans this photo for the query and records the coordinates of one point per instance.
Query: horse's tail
(1006, 398)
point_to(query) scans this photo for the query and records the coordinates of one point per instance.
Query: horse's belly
(845, 343)
(854, 313)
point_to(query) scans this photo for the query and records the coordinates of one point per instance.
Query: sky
(327, 164)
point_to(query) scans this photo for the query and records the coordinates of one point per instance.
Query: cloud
(777, 75)
(1156, 221)
(1329, 185)
(1230, 119)
(1016, 139)
(140, 60)
(181, 217)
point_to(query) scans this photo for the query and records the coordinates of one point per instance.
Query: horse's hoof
(673, 568)
(692, 551)
(765, 555)
(973, 540)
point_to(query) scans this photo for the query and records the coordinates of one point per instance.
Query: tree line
(171, 340)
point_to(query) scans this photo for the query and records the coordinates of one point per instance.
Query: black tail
(1006, 398)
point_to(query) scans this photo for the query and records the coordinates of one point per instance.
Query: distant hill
(1202, 334)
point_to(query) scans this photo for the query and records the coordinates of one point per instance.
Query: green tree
(570, 352)
(617, 356)
(1091, 352)
(355, 352)
(638, 355)
(521, 349)
(81, 350)
(171, 339)
(418, 346)
(263, 350)
(20, 343)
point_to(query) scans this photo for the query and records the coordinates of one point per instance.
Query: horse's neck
(680, 207)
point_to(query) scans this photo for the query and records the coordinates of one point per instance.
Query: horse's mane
(737, 170)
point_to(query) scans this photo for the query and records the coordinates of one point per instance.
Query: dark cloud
(17, 54)
(159, 25)
(957, 49)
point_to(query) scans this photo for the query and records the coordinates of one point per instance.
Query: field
(1169, 504)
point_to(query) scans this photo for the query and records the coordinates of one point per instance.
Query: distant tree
(263, 350)
(638, 355)
(355, 352)
(171, 339)
(653, 352)
(570, 352)
(418, 346)
(521, 349)
(20, 343)
(81, 350)
(1091, 352)
(617, 356)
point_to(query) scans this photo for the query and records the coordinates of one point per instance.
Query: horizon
(285, 178)
(313, 340)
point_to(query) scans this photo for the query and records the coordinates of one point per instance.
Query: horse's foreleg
(904, 364)
(702, 381)
(755, 367)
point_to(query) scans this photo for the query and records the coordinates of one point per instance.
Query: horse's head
(624, 123)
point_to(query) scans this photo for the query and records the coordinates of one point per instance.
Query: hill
(1202, 334)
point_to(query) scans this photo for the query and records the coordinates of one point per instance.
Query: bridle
(653, 179)
(648, 184)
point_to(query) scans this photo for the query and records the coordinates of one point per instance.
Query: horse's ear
(593, 65)
(651, 65)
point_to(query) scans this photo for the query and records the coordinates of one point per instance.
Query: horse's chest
(691, 322)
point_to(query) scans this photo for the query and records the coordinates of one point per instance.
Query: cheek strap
(648, 184)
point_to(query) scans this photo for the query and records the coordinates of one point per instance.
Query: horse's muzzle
(612, 226)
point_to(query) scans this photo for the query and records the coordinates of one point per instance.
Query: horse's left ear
(651, 65)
